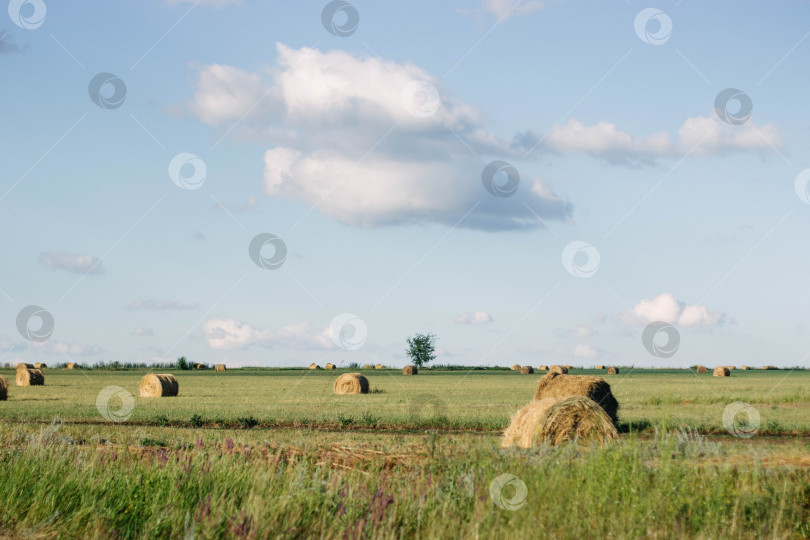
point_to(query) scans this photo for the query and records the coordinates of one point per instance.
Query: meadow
(262, 453)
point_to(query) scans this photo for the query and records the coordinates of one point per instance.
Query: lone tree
(182, 363)
(421, 348)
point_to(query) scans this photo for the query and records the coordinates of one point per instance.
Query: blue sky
(364, 154)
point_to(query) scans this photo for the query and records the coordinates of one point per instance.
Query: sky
(272, 183)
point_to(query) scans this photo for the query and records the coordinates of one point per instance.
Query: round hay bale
(730, 368)
(314, 366)
(555, 385)
(159, 385)
(351, 383)
(770, 367)
(701, 369)
(570, 367)
(721, 371)
(220, 368)
(612, 371)
(30, 377)
(3, 388)
(70, 365)
(600, 367)
(543, 368)
(557, 420)
(744, 368)
(331, 366)
(410, 370)
(25, 366)
(378, 366)
(527, 370)
(558, 369)
(368, 366)
(200, 366)
(40, 365)
(516, 367)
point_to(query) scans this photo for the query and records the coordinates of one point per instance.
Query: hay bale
(600, 367)
(30, 377)
(220, 368)
(159, 385)
(721, 371)
(543, 368)
(378, 366)
(351, 383)
(730, 368)
(40, 365)
(570, 367)
(612, 371)
(25, 366)
(70, 365)
(368, 366)
(701, 369)
(558, 369)
(744, 368)
(200, 366)
(3, 388)
(557, 420)
(527, 370)
(314, 366)
(331, 366)
(770, 367)
(516, 367)
(410, 370)
(555, 385)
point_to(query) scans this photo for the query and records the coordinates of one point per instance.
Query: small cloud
(61, 347)
(585, 351)
(160, 305)
(474, 317)
(143, 331)
(72, 262)
(198, 236)
(504, 9)
(7, 346)
(232, 334)
(667, 308)
(582, 331)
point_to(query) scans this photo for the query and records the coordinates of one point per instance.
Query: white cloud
(230, 334)
(71, 262)
(7, 345)
(160, 305)
(582, 331)
(474, 317)
(512, 8)
(143, 331)
(667, 308)
(585, 351)
(60, 347)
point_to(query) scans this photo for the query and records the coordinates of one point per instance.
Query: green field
(273, 453)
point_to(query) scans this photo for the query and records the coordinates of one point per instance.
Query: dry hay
(351, 383)
(200, 366)
(730, 368)
(159, 385)
(701, 369)
(330, 366)
(516, 367)
(558, 420)
(3, 388)
(314, 366)
(40, 365)
(543, 368)
(721, 371)
(25, 366)
(745, 368)
(30, 377)
(612, 371)
(378, 366)
(70, 365)
(600, 367)
(770, 367)
(527, 370)
(555, 385)
(220, 368)
(410, 370)
(558, 369)
(368, 366)
(570, 367)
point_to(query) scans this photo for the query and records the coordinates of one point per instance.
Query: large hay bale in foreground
(558, 369)
(527, 370)
(220, 368)
(612, 371)
(30, 377)
(555, 385)
(3, 388)
(24, 366)
(701, 369)
(40, 365)
(516, 367)
(554, 421)
(410, 370)
(314, 366)
(159, 385)
(351, 383)
(721, 371)
(330, 366)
